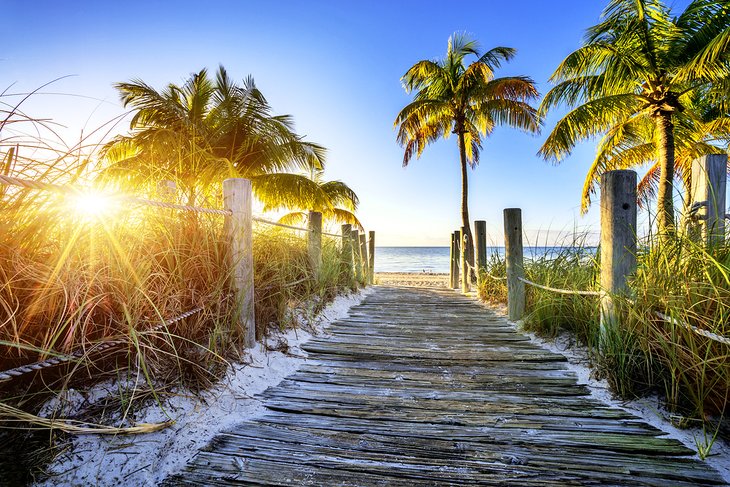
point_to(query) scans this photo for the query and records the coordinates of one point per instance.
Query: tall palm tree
(467, 100)
(208, 129)
(699, 130)
(640, 63)
(341, 205)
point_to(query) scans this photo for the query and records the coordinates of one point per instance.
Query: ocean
(435, 259)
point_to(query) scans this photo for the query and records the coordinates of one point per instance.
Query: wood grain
(426, 387)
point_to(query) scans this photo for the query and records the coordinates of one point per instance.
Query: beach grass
(73, 277)
(645, 354)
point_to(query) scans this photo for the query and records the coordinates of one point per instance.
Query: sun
(91, 204)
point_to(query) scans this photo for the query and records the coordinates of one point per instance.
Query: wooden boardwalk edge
(426, 387)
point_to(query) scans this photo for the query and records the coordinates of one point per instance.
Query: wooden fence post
(618, 241)
(465, 274)
(514, 262)
(357, 259)
(314, 241)
(455, 256)
(237, 199)
(364, 257)
(480, 228)
(451, 261)
(709, 180)
(347, 251)
(371, 256)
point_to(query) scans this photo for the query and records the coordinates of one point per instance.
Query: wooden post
(347, 251)
(618, 241)
(480, 228)
(709, 181)
(357, 260)
(237, 198)
(314, 242)
(465, 274)
(455, 256)
(364, 257)
(451, 261)
(514, 263)
(371, 256)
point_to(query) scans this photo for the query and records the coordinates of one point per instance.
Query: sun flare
(92, 205)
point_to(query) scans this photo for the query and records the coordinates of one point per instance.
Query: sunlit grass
(81, 268)
(680, 278)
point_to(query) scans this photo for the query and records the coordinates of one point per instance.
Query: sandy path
(418, 279)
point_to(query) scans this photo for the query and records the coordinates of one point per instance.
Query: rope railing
(41, 186)
(557, 290)
(668, 319)
(291, 227)
(173, 206)
(237, 193)
(484, 271)
(77, 355)
(693, 328)
(277, 224)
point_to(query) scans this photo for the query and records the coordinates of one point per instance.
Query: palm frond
(587, 120)
(289, 191)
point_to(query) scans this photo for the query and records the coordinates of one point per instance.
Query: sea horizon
(435, 259)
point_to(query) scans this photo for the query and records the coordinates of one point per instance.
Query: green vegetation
(651, 83)
(77, 271)
(466, 100)
(341, 203)
(205, 131)
(681, 279)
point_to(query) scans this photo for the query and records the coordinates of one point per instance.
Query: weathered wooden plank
(425, 387)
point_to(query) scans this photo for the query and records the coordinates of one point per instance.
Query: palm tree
(640, 64)
(204, 130)
(698, 130)
(466, 100)
(341, 205)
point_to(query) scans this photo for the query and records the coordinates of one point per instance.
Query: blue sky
(336, 67)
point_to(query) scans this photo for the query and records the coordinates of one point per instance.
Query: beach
(420, 279)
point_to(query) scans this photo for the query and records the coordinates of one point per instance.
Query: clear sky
(336, 67)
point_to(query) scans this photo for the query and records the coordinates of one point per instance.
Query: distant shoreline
(417, 279)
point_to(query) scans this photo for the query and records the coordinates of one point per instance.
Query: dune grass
(645, 354)
(71, 279)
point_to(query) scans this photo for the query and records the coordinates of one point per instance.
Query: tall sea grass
(680, 278)
(72, 277)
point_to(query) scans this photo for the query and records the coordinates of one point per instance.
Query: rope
(561, 291)
(484, 271)
(496, 278)
(291, 227)
(160, 204)
(269, 222)
(37, 185)
(100, 347)
(41, 186)
(699, 331)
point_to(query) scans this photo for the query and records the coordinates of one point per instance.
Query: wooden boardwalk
(425, 387)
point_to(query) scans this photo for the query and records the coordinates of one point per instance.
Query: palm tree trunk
(665, 202)
(467, 246)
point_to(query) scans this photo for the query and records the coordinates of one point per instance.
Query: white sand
(146, 459)
(412, 279)
(650, 409)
